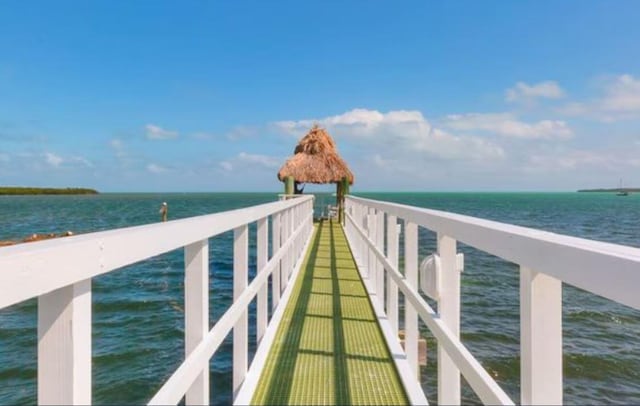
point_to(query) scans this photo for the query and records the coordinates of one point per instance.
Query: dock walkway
(329, 348)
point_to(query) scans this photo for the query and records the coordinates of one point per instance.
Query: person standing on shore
(164, 211)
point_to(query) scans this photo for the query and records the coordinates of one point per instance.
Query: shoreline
(23, 191)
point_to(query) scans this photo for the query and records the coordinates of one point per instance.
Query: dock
(328, 302)
(329, 348)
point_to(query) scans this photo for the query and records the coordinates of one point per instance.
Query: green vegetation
(11, 190)
(624, 189)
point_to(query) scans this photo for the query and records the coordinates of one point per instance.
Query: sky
(209, 96)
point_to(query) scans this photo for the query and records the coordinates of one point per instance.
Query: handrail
(573, 260)
(546, 260)
(482, 383)
(76, 258)
(175, 387)
(59, 272)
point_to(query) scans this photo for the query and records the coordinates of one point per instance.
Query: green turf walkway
(329, 348)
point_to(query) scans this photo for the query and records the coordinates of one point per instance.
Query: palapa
(316, 160)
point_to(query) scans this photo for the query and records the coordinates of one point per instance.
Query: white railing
(59, 272)
(545, 259)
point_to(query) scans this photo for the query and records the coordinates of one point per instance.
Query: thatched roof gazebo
(316, 160)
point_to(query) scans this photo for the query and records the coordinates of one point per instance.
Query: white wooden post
(392, 288)
(380, 272)
(275, 246)
(292, 250)
(410, 314)
(449, 311)
(64, 345)
(284, 264)
(371, 259)
(540, 338)
(240, 330)
(196, 312)
(261, 262)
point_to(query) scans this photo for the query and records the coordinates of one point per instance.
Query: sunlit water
(138, 318)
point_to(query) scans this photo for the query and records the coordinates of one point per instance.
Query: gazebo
(316, 160)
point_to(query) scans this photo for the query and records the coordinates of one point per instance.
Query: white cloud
(622, 95)
(155, 132)
(523, 92)
(226, 166)
(250, 161)
(53, 159)
(506, 125)
(403, 131)
(155, 168)
(263, 160)
(619, 100)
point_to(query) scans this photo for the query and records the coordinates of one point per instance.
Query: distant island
(12, 190)
(615, 190)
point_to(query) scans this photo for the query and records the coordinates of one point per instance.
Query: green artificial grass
(329, 348)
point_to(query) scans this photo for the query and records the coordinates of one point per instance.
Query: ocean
(138, 318)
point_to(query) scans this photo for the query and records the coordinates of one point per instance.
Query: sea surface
(138, 317)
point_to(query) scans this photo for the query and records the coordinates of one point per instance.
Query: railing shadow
(280, 384)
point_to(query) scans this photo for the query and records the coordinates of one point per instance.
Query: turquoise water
(138, 314)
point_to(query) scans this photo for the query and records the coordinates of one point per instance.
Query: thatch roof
(316, 160)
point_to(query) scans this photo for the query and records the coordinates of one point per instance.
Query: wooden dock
(329, 348)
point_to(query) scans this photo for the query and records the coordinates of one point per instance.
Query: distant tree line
(624, 189)
(46, 191)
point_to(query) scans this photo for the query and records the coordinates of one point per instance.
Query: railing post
(371, 259)
(64, 345)
(261, 262)
(540, 338)
(240, 330)
(275, 246)
(292, 257)
(392, 288)
(449, 311)
(196, 312)
(410, 314)
(380, 271)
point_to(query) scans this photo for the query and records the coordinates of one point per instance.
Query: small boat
(621, 191)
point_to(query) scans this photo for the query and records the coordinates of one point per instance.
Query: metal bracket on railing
(430, 274)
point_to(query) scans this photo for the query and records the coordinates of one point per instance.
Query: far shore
(18, 190)
(625, 189)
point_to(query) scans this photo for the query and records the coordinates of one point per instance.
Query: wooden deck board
(329, 348)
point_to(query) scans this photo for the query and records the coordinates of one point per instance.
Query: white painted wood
(380, 289)
(64, 345)
(174, 388)
(540, 338)
(412, 386)
(261, 261)
(241, 328)
(449, 311)
(275, 243)
(291, 252)
(480, 381)
(371, 258)
(29, 270)
(410, 314)
(392, 289)
(284, 267)
(196, 312)
(576, 261)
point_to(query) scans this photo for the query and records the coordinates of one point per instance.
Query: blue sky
(425, 95)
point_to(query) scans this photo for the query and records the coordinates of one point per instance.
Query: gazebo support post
(288, 186)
